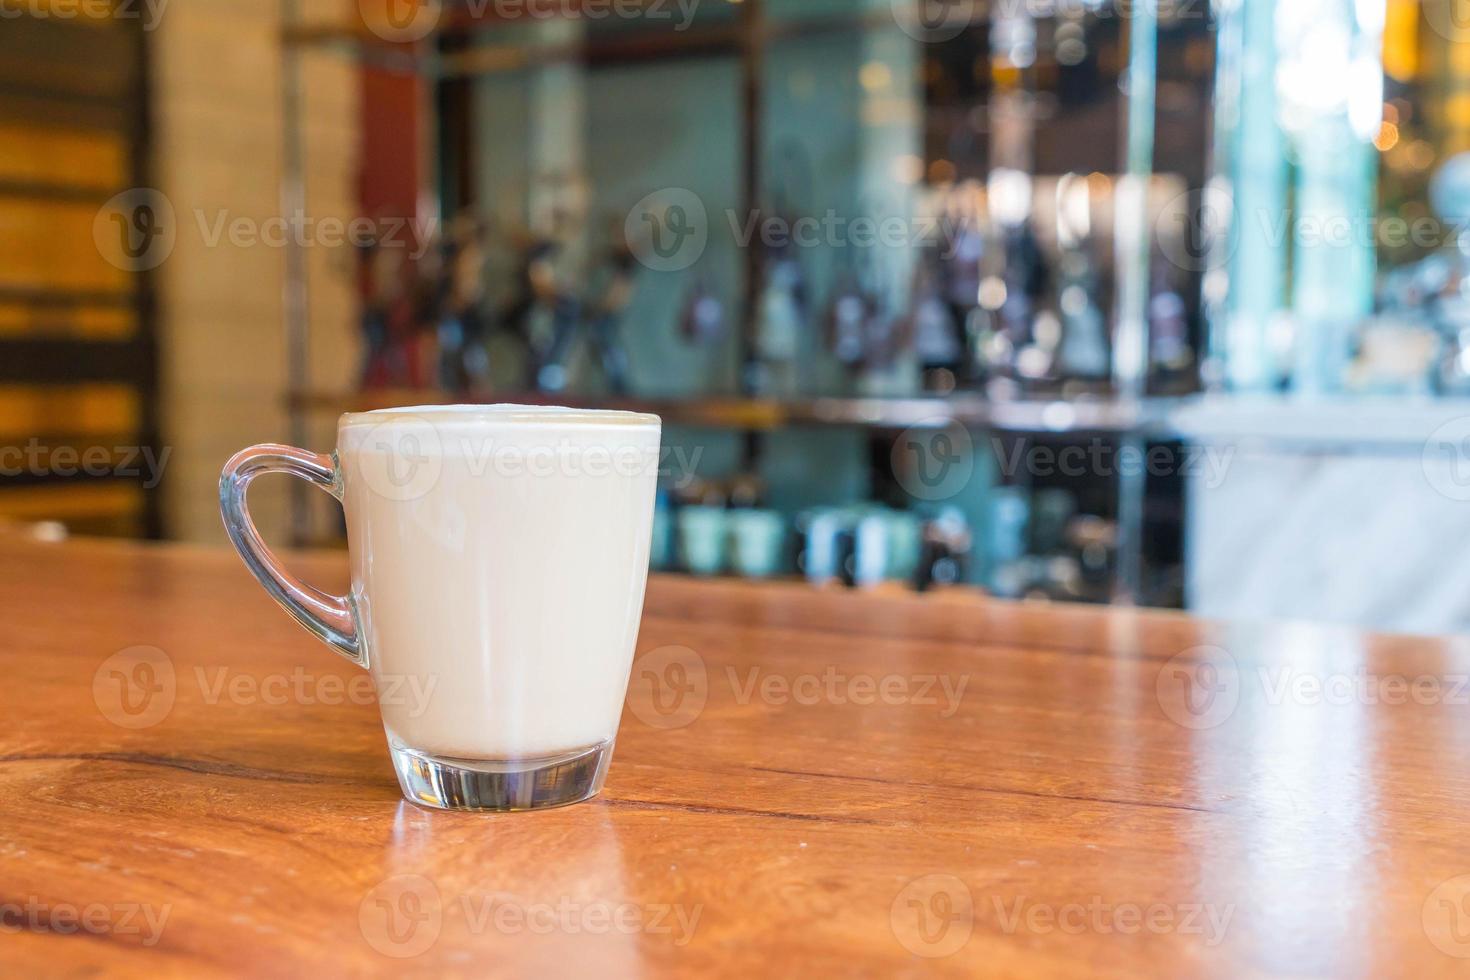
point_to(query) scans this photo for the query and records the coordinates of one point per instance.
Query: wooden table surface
(805, 785)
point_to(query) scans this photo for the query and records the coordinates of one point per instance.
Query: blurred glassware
(1053, 509)
(779, 329)
(1096, 541)
(757, 543)
(821, 530)
(847, 312)
(702, 320)
(461, 323)
(1010, 516)
(703, 534)
(605, 320)
(905, 544)
(870, 550)
(946, 551)
(937, 335)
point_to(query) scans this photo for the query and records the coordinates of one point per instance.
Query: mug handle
(329, 617)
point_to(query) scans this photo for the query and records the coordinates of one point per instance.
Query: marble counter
(1349, 512)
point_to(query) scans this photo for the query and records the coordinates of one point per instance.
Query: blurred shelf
(43, 297)
(52, 361)
(726, 37)
(1100, 415)
(1362, 424)
(78, 367)
(888, 588)
(63, 193)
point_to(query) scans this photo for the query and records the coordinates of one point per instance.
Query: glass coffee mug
(499, 556)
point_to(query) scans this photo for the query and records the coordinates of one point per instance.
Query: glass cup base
(537, 783)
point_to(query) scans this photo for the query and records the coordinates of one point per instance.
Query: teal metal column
(1261, 227)
(1134, 252)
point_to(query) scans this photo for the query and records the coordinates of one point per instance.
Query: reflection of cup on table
(702, 532)
(757, 542)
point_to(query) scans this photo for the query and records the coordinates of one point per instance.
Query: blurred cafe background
(1155, 302)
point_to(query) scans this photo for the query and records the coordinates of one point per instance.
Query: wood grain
(1066, 813)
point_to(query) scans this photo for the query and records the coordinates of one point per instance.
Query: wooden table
(192, 786)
